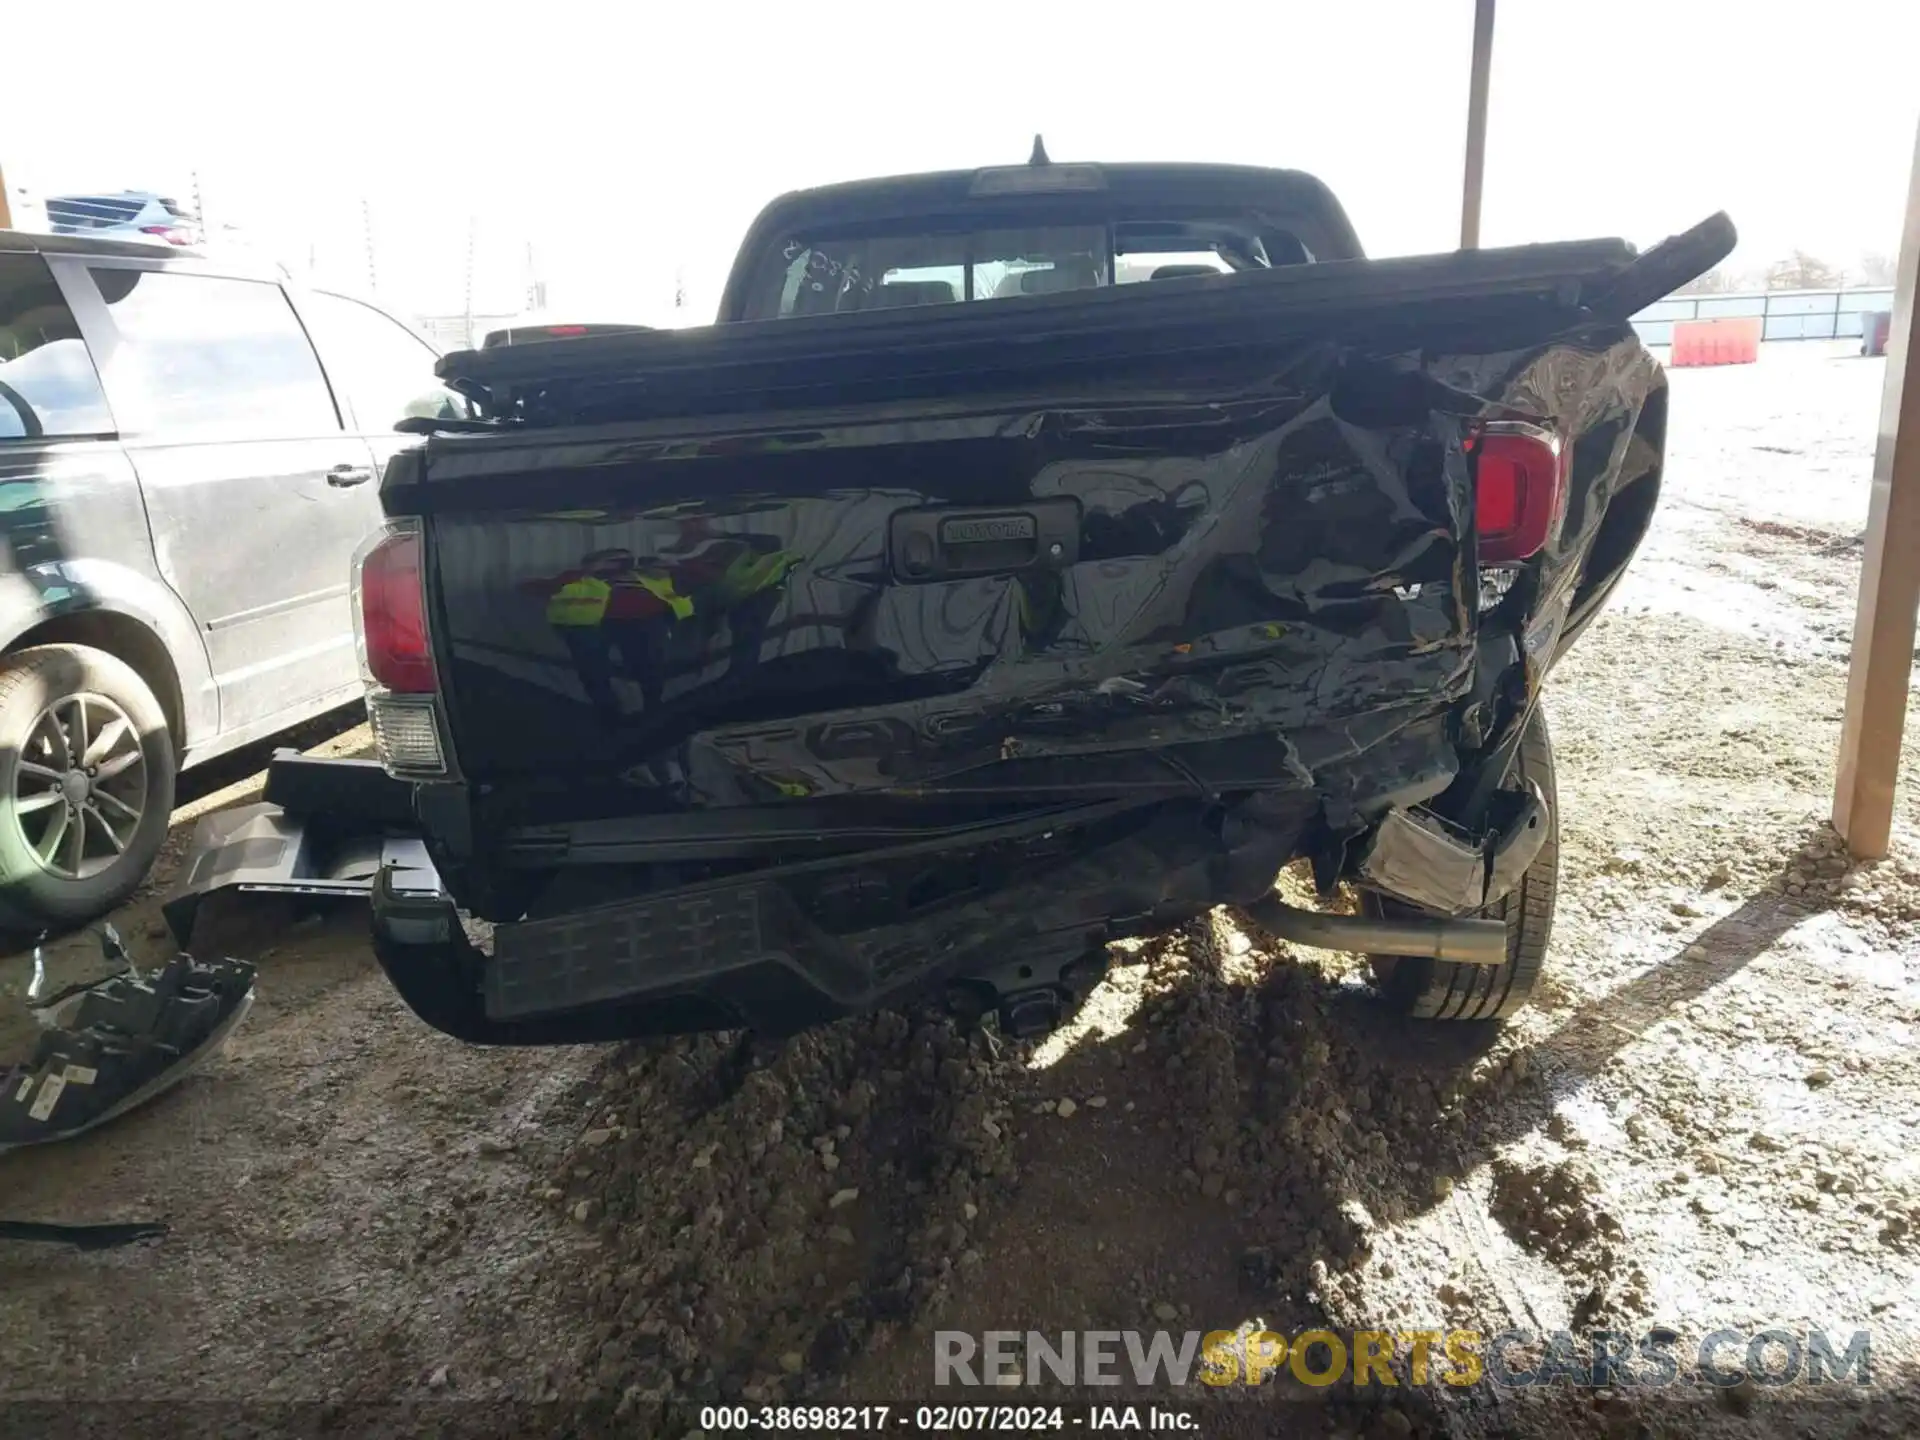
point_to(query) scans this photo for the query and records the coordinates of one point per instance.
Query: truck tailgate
(1023, 550)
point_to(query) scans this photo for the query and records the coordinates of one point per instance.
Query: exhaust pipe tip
(1461, 941)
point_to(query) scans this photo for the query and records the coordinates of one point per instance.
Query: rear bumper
(325, 828)
(748, 955)
(752, 955)
(1012, 915)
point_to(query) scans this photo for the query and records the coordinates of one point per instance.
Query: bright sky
(626, 143)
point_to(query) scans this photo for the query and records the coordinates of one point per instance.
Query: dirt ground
(1705, 1122)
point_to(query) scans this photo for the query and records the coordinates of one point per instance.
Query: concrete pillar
(1883, 627)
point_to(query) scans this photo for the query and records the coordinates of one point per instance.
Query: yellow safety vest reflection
(661, 588)
(579, 603)
(749, 574)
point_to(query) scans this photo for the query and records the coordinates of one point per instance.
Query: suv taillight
(172, 234)
(1519, 489)
(396, 654)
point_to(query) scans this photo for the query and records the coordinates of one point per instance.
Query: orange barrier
(1715, 342)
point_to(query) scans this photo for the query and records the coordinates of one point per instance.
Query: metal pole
(473, 237)
(1883, 625)
(366, 229)
(1476, 173)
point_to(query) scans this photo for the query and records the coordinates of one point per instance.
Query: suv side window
(206, 358)
(48, 387)
(385, 369)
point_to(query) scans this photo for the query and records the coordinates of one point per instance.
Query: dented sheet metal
(1027, 551)
(1268, 584)
(1412, 857)
(1416, 857)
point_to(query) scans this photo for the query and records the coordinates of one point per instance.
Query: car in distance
(128, 215)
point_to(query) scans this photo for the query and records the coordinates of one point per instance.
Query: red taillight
(562, 331)
(393, 616)
(1519, 490)
(167, 233)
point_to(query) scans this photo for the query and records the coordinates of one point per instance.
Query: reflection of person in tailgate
(608, 605)
(738, 576)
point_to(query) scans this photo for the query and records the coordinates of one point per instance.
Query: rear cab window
(203, 357)
(49, 389)
(824, 275)
(827, 274)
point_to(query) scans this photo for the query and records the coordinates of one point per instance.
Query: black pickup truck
(879, 644)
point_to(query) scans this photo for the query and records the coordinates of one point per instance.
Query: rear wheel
(1442, 990)
(86, 784)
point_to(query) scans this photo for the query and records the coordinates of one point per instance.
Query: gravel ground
(1704, 1122)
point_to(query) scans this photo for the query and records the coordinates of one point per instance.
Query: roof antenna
(1039, 156)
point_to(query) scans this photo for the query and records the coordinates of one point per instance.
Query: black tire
(1441, 990)
(38, 687)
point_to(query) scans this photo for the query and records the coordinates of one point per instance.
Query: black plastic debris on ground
(115, 1044)
(81, 1237)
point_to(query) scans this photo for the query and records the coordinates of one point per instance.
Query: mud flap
(1414, 856)
(1517, 845)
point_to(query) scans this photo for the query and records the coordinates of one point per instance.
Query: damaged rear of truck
(875, 646)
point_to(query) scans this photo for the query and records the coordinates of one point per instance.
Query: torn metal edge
(1416, 857)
